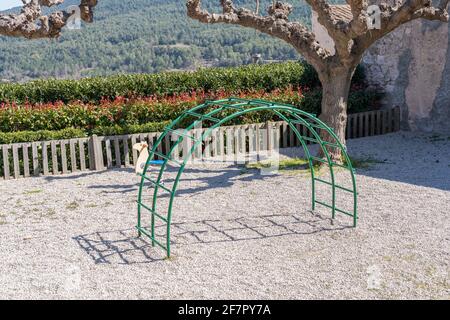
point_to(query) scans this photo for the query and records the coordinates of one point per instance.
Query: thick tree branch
(394, 16)
(275, 24)
(358, 25)
(323, 11)
(431, 13)
(31, 24)
(347, 26)
(339, 26)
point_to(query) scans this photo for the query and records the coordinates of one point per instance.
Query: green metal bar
(329, 162)
(319, 160)
(139, 214)
(181, 133)
(144, 231)
(262, 102)
(310, 139)
(160, 155)
(317, 126)
(153, 212)
(307, 154)
(332, 163)
(336, 185)
(202, 117)
(155, 146)
(207, 133)
(324, 142)
(331, 144)
(344, 151)
(155, 183)
(346, 157)
(226, 105)
(241, 103)
(337, 209)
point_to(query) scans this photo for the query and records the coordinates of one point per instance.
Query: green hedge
(130, 129)
(128, 114)
(69, 133)
(252, 77)
(137, 118)
(358, 101)
(42, 135)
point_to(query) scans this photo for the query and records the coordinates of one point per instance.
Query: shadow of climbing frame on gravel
(124, 247)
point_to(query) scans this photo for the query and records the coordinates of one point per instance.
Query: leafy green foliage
(130, 129)
(69, 133)
(41, 135)
(142, 36)
(252, 77)
(128, 113)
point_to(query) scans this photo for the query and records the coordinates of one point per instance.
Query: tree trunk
(335, 93)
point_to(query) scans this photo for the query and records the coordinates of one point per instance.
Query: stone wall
(412, 66)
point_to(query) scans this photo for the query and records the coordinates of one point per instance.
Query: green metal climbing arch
(215, 114)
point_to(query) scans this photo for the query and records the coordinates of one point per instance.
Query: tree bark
(335, 91)
(31, 24)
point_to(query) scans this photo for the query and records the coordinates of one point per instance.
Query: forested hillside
(141, 36)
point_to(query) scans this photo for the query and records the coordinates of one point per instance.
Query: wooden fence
(100, 153)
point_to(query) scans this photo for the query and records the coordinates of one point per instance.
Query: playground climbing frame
(215, 114)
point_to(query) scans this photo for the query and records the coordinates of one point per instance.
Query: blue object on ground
(156, 162)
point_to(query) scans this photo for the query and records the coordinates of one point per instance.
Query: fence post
(95, 153)
(397, 118)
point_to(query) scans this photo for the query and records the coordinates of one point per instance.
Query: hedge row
(130, 129)
(359, 101)
(127, 113)
(69, 133)
(42, 135)
(252, 77)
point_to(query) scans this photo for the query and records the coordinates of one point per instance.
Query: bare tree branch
(276, 24)
(31, 24)
(326, 18)
(348, 26)
(394, 16)
(358, 25)
(439, 13)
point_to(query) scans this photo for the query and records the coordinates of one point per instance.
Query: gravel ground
(237, 234)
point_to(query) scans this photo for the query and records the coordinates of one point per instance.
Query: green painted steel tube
(239, 105)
